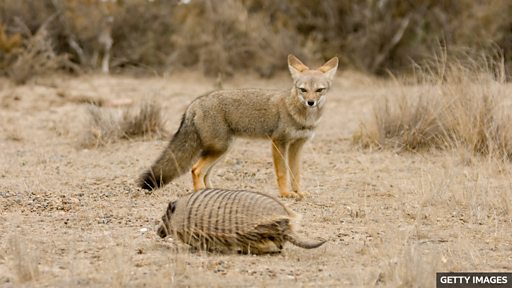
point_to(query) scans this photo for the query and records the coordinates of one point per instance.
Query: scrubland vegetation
(450, 105)
(222, 37)
(409, 172)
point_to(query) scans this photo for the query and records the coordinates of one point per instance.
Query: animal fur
(287, 117)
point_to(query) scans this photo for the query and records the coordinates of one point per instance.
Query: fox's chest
(291, 131)
(300, 133)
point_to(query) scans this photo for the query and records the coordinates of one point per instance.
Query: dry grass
(22, 258)
(37, 57)
(452, 105)
(410, 266)
(390, 220)
(238, 35)
(234, 36)
(9, 46)
(145, 121)
(11, 130)
(107, 125)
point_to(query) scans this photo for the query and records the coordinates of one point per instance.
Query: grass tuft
(108, 125)
(21, 259)
(453, 105)
(145, 122)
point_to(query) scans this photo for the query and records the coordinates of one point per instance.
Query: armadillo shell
(234, 220)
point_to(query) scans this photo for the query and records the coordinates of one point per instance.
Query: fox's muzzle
(311, 103)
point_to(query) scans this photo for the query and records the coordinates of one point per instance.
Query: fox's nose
(311, 102)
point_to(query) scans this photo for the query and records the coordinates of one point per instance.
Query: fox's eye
(320, 90)
(303, 90)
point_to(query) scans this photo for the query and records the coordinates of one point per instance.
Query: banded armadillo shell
(236, 220)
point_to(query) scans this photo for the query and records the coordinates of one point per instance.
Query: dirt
(72, 216)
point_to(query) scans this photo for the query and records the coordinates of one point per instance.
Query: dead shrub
(103, 127)
(9, 46)
(455, 104)
(223, 37)
(35, 58)
(108, 125)
(408, 123)
(145, 122)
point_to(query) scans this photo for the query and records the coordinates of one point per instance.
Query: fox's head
(311, 85)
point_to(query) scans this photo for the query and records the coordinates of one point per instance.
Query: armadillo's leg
(294, 153)
(206, 161)
(279, 155)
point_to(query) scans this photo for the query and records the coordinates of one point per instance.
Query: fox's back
(246, 112)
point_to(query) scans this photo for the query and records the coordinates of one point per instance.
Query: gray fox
(211, 121)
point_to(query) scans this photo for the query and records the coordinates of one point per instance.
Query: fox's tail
(176, 159)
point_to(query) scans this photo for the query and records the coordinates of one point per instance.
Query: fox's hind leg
(206, 178)
(206, 162)
(215, 139)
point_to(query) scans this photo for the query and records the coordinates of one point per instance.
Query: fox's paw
(302, 194)
(285, 194)
(289, 194)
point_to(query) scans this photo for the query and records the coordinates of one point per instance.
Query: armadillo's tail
(307, 244)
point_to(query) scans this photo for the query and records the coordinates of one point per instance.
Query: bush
(36, 57)
(222, 37)
(455, 104)
(107, 125)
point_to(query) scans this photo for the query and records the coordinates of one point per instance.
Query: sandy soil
(74, 217)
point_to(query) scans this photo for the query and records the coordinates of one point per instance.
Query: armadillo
(232, 221)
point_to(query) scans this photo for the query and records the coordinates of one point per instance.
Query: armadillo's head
(165, 229)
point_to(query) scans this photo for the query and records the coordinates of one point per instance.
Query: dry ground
(73, 217)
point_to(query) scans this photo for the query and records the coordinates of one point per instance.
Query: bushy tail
(176, 159)
(307, 244)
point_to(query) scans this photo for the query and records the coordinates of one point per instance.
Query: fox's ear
(296, 66)
(330, 67)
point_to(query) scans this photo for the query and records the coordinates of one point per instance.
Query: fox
(211, 122)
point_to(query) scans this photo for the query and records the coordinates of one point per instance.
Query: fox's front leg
(279, 156)
(294, 158)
